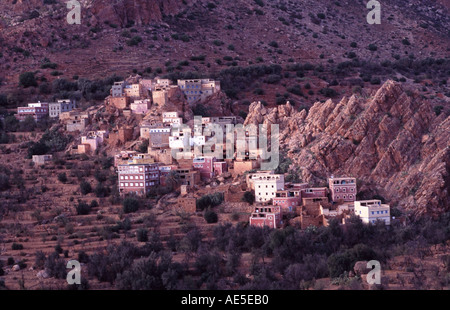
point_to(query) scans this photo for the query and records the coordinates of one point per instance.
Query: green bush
(134, 41)
(142, 235)
(130, 205)
(83, 208)
(85, 187)
(248, 197)
(210, 216)
(27, 79)
(62, 177)
(17, 246)
(274, 44)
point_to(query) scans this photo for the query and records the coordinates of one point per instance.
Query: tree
(143, 146)
(248, 197)
(27, 79)
(37, 148)
(28, 124)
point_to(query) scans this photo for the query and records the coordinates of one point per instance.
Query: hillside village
(170, 160)
(170, 179)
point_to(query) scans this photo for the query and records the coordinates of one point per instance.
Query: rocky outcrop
(393, 143)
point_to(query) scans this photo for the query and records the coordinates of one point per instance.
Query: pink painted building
(288, 200)
(205, 166)
(36, 110)
(220, 167)
(342, 189)
(138, 179)
(266, 216)
(314, 192)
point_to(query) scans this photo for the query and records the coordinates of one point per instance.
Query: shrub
(405, 41)
(62, 177)
(273, 79)
(210, 216)
(85, 187)
(4, 182)
(58, 248)
(296, 90)
(83, 208)
(328, 92)
(130, 204)
(142, 235)
(353, 44)
(248, 197)
(259, 2)
(17, 246)
(55, 266)
(134, 41)
(372, 47)
(27, 79)
(274, 44)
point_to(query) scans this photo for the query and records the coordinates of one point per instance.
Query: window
(337, 190)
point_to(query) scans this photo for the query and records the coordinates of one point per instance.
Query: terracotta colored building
(314, 192)
(266, 216)
(188, 204)
(287, 200)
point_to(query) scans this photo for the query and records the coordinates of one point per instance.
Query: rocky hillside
(204, 38)
(393, 142)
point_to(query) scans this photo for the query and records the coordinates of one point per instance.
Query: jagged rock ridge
(393, 143)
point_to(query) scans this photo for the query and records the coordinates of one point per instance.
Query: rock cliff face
(393, 143)
(141, 12)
